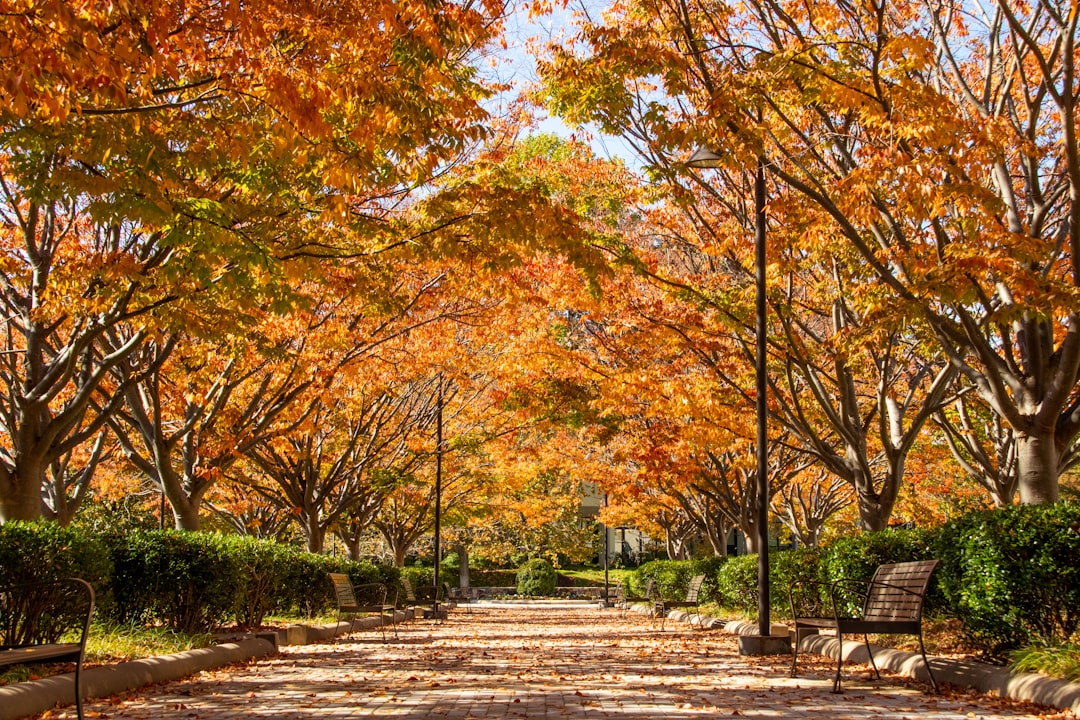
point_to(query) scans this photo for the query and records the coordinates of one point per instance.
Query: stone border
(18, 700)
(986, 678)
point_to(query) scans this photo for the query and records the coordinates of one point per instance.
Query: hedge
(856, 557)
(193, 582)
(188, 581)
(671, 578)
(738, 581)
(41, 551)
(1012, 575)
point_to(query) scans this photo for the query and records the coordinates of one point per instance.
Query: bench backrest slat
(343, 589)
(410, 594)
(694, 589)
(897, 591)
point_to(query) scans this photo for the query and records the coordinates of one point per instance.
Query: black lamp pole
(706, 158)
(438, 495)
(764, 625)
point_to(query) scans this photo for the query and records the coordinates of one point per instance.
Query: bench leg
(926, 661)
(870, 654)
(795, 650)
(839, 661)
(78, 689)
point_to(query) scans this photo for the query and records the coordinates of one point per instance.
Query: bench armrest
(28, 611)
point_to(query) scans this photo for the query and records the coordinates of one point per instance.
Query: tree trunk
(21, 495)
(718, 536)
(875, 506)
(399, 555)
(314, 534)
(752, 545)
(352, 547)
(1037, 466)
(463, 573)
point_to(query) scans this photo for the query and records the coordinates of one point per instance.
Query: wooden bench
(624, 596)
(46, 622)
(426, 597)
(693, 593)
(892, 605)
(366, 598)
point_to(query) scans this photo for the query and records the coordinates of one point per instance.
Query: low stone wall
(566, 593)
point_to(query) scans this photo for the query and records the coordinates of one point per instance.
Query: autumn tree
(806, 504)
(153, 153)
(351, 452)
(928, 150)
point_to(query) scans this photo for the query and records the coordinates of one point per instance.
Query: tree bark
(1037, 468)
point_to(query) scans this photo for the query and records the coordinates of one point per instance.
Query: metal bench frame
(30, 626)
(892, 605)
(693, 592)
(374, 601)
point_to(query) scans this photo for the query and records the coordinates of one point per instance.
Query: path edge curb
(991, 679)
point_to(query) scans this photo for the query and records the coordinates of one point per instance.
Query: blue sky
(517, 67)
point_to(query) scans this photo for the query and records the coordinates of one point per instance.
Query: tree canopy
(252, 255)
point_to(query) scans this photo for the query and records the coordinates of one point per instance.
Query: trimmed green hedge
(188, 581)
(738, 581)
(192, 582)
(857, 556)
(39, 551)
(671, 578)
(1012, 575)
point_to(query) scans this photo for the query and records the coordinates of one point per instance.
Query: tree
(351, 453)
(199, 408)
(158, 155)
(930, 150)
(806, 504)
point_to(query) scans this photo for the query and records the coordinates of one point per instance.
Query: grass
(1059, 662)
(590, 576)
(109, 642)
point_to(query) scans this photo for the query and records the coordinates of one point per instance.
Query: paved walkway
(529, 662)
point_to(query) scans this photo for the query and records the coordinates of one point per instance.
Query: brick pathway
(529, 662)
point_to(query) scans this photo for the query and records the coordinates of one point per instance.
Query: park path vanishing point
(540, 662)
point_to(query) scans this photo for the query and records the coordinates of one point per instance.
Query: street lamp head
(704, 157)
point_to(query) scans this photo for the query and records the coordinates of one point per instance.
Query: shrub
(420, 576)
(1012, 575)
(42, 551)
(536, 577)
(188, 581)
(738, 581)
(789, 567)
(669, 578)
(737, 584)
(264, 568)
(306, 587)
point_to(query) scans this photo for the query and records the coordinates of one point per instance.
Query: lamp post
(706, 158)
(607, 556)
(435, 611)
